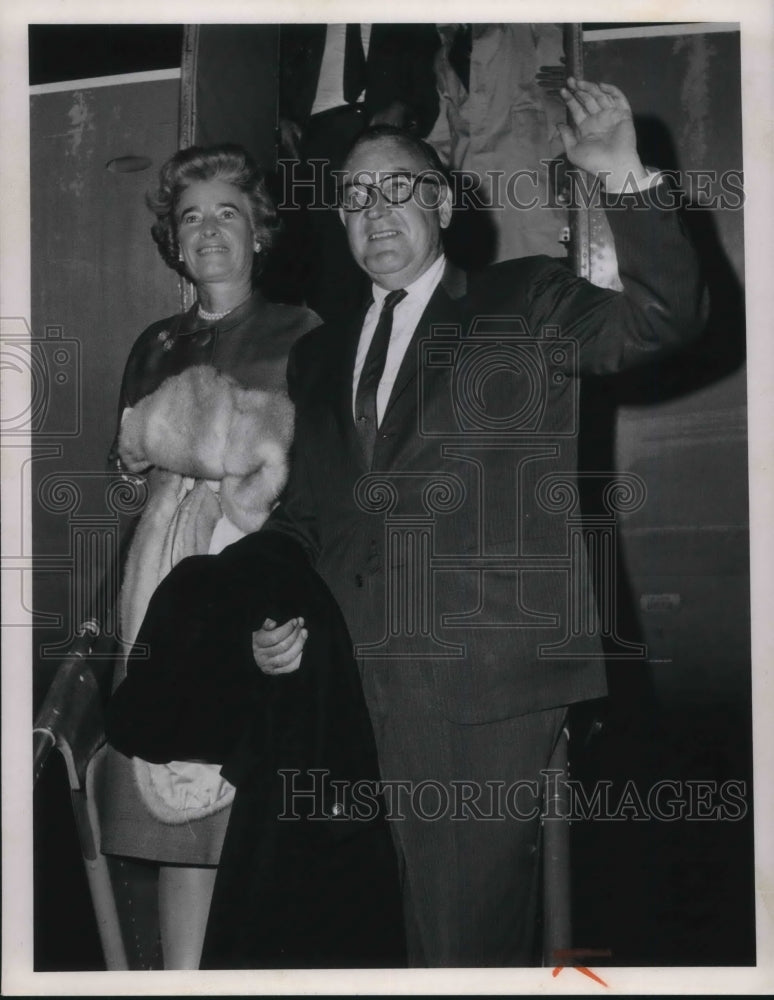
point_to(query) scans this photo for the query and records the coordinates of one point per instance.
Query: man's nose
(379, 204)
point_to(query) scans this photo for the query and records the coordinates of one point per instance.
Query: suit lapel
(400, 425)
(443, 307)
(343, 379)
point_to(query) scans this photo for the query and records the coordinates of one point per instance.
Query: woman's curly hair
(228, 163)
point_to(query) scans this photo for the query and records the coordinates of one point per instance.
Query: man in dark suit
(334, 80)
(432, 482)
(396, 73)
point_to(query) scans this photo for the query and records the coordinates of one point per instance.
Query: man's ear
(341, 215)
(445, 208)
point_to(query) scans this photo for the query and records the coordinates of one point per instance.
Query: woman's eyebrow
(197, 208)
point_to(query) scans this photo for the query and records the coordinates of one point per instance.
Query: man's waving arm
(663, 303)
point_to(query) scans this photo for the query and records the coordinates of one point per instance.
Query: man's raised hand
(601, 139)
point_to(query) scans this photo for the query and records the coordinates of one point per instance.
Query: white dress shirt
(405, 317)
(330, 85)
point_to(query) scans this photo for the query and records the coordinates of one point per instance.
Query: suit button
(359, 579)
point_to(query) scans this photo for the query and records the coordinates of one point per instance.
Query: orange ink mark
(584, 970)
(575, 953)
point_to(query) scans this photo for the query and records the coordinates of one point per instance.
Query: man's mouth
(384, 234)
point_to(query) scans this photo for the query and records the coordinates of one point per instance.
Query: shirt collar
(421, 287)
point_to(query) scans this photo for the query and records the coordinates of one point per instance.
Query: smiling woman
(205, 416)
(216, 242)
(213, 202)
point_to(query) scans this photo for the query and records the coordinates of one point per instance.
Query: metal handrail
(70, 717)
(71, 720)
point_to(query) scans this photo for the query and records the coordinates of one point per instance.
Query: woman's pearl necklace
(210, 317)
(214, 317)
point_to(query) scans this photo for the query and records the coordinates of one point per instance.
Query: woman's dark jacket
(305, 880)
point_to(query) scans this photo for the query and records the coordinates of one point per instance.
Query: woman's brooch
(166, 339)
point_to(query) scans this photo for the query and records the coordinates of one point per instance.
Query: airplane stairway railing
(71, 721)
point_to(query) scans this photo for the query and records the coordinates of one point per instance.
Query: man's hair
(408, 140)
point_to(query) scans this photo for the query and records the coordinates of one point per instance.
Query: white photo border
(756, 18)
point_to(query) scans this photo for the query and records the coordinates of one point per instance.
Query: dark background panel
(82, 51)
(237, 68)
(678, 893)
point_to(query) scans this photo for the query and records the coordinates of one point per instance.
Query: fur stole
(205, 425)
(212, 448)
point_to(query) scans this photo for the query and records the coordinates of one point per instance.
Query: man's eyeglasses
(395, 188)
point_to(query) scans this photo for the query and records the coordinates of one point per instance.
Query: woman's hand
(132, 455)
(277, 648)
(601, 139)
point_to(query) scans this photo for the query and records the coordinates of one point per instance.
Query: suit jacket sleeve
(296, 513)
(662, 306)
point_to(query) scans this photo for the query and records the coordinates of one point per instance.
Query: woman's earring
(257, 247)
(180, 258)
